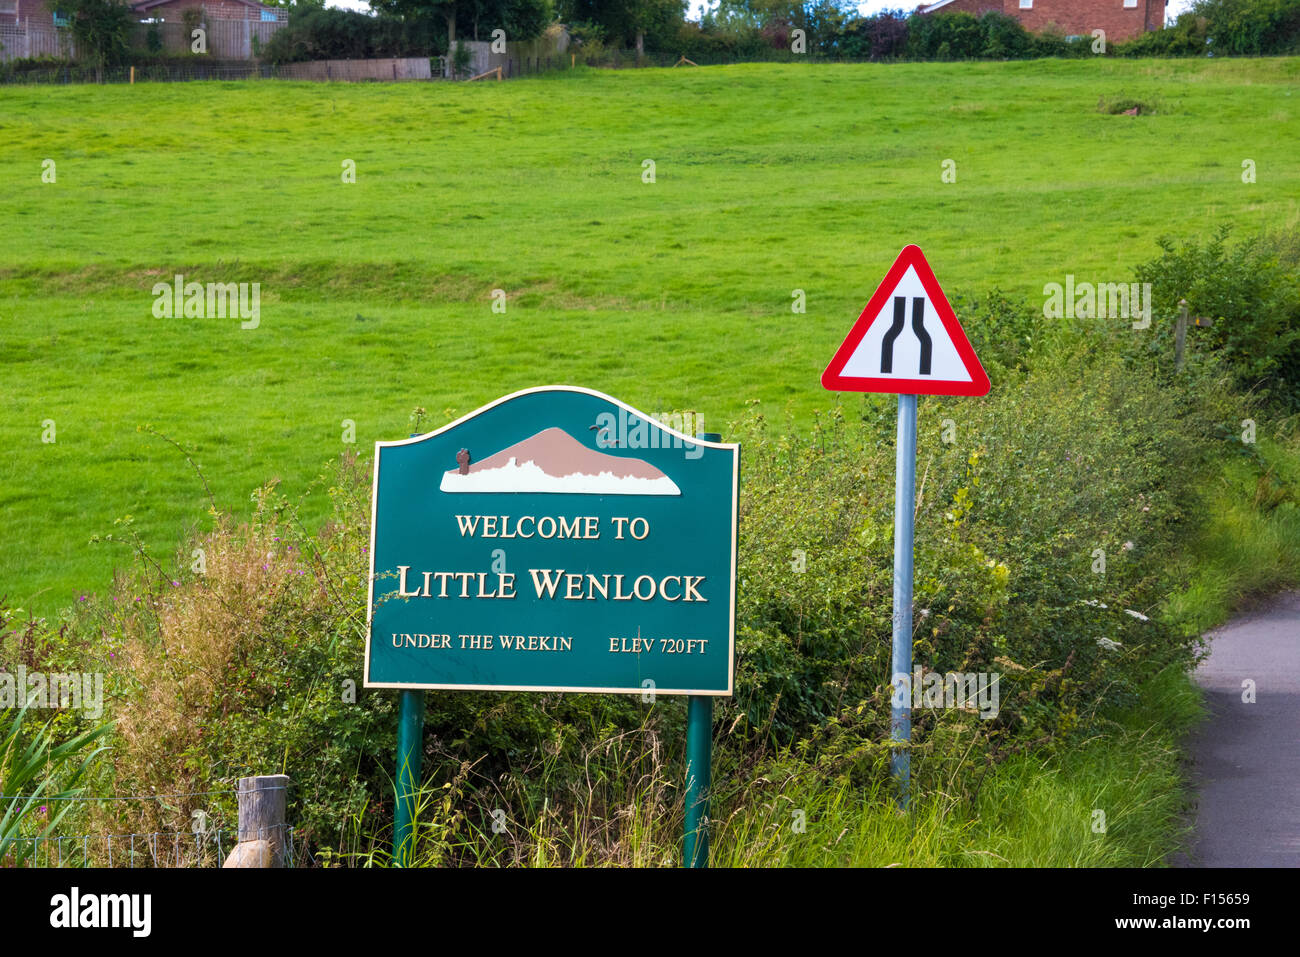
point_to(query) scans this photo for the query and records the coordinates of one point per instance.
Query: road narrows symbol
(879, 355)
(896, 327)
(918, 327)
(887, 344)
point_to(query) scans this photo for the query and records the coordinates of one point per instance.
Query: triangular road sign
(907, 340)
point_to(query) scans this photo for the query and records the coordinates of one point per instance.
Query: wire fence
(207, 844)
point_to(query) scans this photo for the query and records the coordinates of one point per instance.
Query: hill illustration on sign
(554, 461)
(520, 549)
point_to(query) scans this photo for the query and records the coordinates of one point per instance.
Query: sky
(1175, 6)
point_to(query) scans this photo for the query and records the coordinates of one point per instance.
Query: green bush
(944, 36)
(1004, 38)
(1251, 27)
(1250, 290)
(1187, 37)
(318, 33)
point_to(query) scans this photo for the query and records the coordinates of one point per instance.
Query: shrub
(1004, 37)
(1187, 37)
(317, 33)
(1252, 294)
(704, 43)
(880, 37)
(944, 36)
(1251, 27)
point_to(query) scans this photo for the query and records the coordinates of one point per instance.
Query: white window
(1130, 4)
(1029, 4)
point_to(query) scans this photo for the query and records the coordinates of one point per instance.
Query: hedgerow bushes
(317, 33)
(1251, 293)
(1212, 27)
(1046, 516)
(1050, 518)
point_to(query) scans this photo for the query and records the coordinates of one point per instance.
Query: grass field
(376, 296)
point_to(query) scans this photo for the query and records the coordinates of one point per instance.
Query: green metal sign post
(699, 767)
(554, 540)
(410, 737)
(699, 778)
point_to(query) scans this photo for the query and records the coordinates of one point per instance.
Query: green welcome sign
(554, 540)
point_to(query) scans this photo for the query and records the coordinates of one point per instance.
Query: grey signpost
(900, 723)
(936, 359)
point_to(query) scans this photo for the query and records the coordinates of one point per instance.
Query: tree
(822, 21)
(520, 19)
(102, 29)
(628, 22)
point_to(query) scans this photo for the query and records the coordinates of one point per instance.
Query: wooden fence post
(262, 827)
(1180, 335)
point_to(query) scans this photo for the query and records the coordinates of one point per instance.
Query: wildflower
(1136, 614)
(1108, 645)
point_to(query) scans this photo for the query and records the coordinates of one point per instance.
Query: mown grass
(673, 295)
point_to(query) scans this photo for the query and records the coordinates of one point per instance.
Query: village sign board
(554, 540)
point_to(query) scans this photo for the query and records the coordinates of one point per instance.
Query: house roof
(930, 8)
(149, 4)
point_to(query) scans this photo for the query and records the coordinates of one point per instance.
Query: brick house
(14, 12)
(43, 12)
(234, 28)
(1121, 19)
(170, 10)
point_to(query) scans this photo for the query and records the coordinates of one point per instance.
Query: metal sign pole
(900, 762)
(410, 738)
(699, 765)
(410, 754)
(699, 778)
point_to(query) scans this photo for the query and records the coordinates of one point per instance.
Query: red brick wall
(1073, 17)
(1083, 16)
(35, 12)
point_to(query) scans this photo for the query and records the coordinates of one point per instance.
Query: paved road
(1247, 756)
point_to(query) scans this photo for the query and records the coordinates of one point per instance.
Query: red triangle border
(833, 378)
